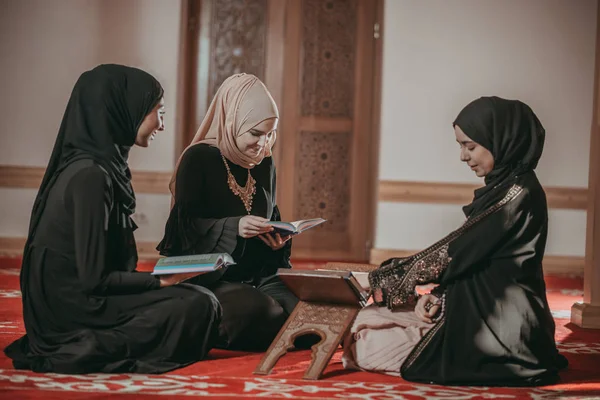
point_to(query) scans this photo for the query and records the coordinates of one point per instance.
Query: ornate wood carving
(238, 40)
(329, 49)
(323, 178)
(329, 321)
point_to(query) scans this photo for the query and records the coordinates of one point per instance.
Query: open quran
(330, 287)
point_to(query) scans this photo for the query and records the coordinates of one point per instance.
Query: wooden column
(587, 314)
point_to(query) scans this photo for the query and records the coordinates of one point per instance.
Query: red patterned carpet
(228, 375)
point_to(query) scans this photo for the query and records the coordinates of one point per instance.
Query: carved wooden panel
(329, 50)
(321, 314)
(329, 321)
(323, 176)
(238, 40)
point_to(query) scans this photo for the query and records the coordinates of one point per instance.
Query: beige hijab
(241, 103)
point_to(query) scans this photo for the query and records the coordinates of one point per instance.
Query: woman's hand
(427, 307)
(378, 295)
(275, 241)
(174, 279)
(251, 226)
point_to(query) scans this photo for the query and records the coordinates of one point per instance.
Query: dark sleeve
(278, 258)
(189, 229)
(509, 237)
(473, 249)
(282, 256)
(89, 196)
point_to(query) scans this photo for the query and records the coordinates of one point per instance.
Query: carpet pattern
(228, 374)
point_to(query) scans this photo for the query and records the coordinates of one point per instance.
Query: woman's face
(152, 123)
(252, 143)
(476, 156)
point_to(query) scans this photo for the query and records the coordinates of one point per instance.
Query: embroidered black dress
(496, 327)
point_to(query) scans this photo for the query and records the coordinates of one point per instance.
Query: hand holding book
(296, 227)
(174, 279)
(274, 240)
(251, 225)
(174, 270)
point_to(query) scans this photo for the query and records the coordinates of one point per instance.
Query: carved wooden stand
(329, 321)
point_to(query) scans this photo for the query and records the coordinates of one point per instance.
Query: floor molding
(462, 193)
(555, 265)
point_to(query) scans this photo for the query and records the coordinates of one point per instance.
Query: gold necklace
(246, 193)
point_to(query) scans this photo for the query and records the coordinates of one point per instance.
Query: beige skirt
(380, 340)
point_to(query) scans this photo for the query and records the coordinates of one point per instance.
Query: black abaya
(85, 308)
(205, 219)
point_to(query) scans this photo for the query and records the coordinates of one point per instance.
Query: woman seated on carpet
(224, 196)
(488, 321)
(85, 308)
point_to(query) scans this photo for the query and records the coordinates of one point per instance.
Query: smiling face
(151, 125)
(252, 142)
(477, 157)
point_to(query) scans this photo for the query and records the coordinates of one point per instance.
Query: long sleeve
(285, 252)
(269, 259)
(188, 229)
(88, 196)
(508, 235)
(278, 258)
(461, 252)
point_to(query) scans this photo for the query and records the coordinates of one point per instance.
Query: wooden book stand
(329, 301)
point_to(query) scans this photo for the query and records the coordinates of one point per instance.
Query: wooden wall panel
(238, 40)
(319, 149)
(12, 176)
(460, 193)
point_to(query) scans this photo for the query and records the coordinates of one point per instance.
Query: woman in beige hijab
(223, 196)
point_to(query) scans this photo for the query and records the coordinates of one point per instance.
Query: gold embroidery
(396, 281)
(423, 271)
(414, 354)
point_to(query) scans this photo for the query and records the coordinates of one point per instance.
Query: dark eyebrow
(466, 141)
(254, 130)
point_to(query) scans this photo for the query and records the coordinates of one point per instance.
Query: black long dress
(496, 327)
(85, 308)
(91, 311)
(205, 219)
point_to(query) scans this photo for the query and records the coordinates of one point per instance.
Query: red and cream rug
(228, 375)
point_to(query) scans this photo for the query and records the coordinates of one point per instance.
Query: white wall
(45, 46)
(145, 34)
(439, 56)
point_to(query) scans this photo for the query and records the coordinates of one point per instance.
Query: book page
(290, 227)
(192, 263)
(191, 259)
(361, 277)
(305, 224)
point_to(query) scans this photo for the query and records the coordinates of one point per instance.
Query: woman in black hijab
(85, 307)
(488, 321)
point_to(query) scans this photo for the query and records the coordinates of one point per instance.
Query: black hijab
(511, 131)
(103, 115)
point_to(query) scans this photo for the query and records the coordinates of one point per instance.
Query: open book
(193, 263)
(333, 287)
(361, 277)
(296, 227)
